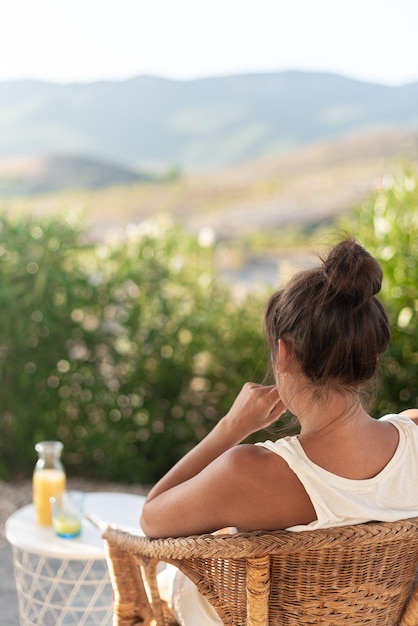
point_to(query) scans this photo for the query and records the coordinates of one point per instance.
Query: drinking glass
(67, 513)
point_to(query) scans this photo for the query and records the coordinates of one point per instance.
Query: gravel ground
(12, 497)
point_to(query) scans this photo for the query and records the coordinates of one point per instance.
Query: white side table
(65, 582)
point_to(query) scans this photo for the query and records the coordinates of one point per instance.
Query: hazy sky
(89, 40)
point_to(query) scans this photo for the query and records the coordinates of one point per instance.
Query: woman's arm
(196, 487)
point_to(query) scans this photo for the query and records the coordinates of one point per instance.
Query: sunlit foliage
(127, 351)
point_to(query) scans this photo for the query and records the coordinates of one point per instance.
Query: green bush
(126, 351)
(387, 225)
(129, 351)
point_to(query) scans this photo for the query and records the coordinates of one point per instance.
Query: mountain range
(154, 125)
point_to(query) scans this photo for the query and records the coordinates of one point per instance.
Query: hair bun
(352, 272)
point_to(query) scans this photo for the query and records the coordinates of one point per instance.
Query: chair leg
(258, 590)
(130, 603)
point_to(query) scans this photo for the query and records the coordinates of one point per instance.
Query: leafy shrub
(126, 351)
(387, 225)
(129, 351)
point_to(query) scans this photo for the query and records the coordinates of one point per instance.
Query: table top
(118, 509)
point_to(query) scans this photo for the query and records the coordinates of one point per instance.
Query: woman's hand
(255, 407)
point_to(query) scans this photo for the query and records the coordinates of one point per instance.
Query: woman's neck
(335, 413)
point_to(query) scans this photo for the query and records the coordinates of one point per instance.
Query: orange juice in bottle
(48, 479)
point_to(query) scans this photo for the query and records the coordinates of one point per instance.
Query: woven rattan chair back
(354, 575)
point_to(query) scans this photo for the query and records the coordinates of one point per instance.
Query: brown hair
(332, 318)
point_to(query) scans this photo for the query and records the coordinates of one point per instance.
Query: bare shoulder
(257, 466)
(274, 495)
(412, 414)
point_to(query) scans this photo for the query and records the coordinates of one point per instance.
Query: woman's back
(356, 450)
(350, 497)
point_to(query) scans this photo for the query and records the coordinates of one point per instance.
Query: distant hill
(302, 188)
(148, 122)
(39, 174)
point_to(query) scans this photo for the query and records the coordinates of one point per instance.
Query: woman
(326, 330)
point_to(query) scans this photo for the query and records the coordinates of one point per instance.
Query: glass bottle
(48, 479)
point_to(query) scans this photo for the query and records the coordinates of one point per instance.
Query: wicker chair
(354, 575)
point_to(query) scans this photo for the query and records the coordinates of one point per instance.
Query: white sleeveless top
(390, 495)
